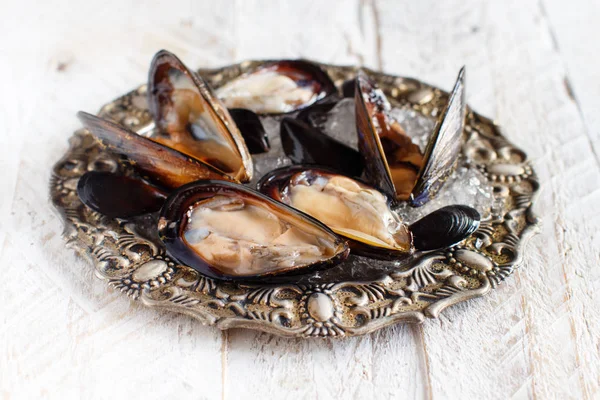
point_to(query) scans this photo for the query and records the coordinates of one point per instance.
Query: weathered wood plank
(574, 27)
(380, 365)
(339, 32)
(523, 340)
(63, 335)
(530, 65)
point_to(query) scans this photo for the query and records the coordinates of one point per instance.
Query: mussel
(349, 207)
(164, 166)
(443, 148)
(252, 130)
(305, 144)
(192, 120)
(196, 137)
(119, 196)
(227, 231)
(363, 215)
(349, 88)
(444, 227)
(394, 164)
(278, 87)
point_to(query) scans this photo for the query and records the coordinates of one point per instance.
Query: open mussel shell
(444, 146)
(349, 207)
(119, 196)
(252, 130)
(278, 87)
(392, 161)
(192, 120)
(444, 227)
(305, 144)
(164, 166)
(395, 164)
(227, 231)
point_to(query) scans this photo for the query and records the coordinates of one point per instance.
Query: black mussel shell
(163, 165)
(305, 74)
(192, 120)
(276, 185)
(252, 130)
(177, 213)
(304, 144)
(348, 88)
(317, 114)
(444, 227)
(443, 148)
(118, 196)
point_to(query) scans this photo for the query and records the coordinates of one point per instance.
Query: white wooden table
(532, 64)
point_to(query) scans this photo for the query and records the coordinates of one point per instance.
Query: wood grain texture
(530, 64)
(526, 334)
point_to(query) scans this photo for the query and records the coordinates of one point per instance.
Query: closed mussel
(119, 196)
(444, 227)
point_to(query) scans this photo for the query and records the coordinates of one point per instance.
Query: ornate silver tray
(128, 256)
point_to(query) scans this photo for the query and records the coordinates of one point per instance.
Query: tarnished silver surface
(129, 258)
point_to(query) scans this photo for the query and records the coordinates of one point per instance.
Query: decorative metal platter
(354, 298)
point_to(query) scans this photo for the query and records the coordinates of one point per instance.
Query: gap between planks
(224, 353)
(568, 86)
